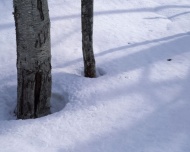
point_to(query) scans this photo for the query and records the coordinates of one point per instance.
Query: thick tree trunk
(87, 38)
(33, 58)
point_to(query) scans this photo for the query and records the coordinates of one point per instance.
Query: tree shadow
(111, 12)
(8, 89)
(125, 47)
(63, 36)
(123, 11)
(6, 26)
(143, 43)
(159, 52)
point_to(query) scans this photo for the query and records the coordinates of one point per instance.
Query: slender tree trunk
(33, 58)
(87, 38)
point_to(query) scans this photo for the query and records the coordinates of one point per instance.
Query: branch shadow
(177, 15)
(171, 17)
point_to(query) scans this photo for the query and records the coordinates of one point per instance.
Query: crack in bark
(39, 6)
(42, 36)
(38, 81)
(22, 98)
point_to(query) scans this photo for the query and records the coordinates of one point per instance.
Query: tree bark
(33, 58)
(87, 38)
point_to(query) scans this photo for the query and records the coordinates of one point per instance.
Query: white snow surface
(140, 101)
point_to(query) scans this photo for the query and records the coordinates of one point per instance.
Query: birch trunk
(33, 58)
(87, 38)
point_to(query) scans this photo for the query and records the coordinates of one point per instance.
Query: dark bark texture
(33, 58)
(87, 38)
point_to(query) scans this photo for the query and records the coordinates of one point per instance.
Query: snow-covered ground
(139, 103)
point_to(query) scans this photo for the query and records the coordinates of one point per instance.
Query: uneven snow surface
(140, 101)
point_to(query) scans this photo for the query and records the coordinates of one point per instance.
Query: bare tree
(87, 38)
(33, 58)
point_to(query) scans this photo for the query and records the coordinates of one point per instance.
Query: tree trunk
(87, 38)
(33, 58)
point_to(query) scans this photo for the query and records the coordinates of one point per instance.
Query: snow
(140, 100)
